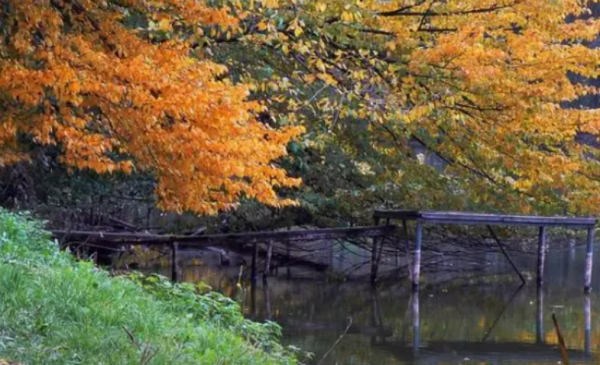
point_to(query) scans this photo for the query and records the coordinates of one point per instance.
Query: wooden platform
(466, 218)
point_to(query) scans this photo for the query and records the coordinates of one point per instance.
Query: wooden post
(254, 258)
(175, 262)
(589, 260)
(417, 259)
(268, 260)
(541, 256)
(374, 256)
(407, 246)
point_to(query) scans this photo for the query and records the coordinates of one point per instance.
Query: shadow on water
(448, 323)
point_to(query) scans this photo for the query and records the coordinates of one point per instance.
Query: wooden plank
(481, 218)
(235, 238)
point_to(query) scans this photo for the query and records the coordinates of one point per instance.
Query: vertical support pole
(587, 311)
(407, 246)
(539, 317)
(589, 260)
(417, 258)
(374, 256)
(541, 256)
(254, 259)
(174, 262)
(416, 323)
(268, 260)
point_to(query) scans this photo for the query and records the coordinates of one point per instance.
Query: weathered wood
(175, 262)
(479, 218)
(541, 259)
(589, 260)
(417, 257)
(221, 239)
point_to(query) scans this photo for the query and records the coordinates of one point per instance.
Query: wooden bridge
(378, 233)
(489, 220)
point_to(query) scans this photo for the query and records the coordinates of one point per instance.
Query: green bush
(55, 310)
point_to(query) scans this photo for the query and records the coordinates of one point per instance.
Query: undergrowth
(56, 310)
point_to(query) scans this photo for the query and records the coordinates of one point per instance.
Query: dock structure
(378, 234)
(463, 218)
(248, 240)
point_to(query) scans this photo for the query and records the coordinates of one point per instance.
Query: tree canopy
(485, 87)
(98, 80)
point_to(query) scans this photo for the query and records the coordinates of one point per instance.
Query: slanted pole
(541, 256)
(174, 262)
(374, 262)
(417, 258)
(268, 260)
(510, 261)
(589, 260)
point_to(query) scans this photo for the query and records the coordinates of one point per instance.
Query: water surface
(484, 319)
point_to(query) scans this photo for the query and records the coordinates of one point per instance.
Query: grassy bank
(55, 310)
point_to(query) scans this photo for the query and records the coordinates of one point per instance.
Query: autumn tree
(104, 83)
(480, 85)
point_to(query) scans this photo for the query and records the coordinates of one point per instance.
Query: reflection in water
(451, 323)
(539, 318)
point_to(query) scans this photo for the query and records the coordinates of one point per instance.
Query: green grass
(54, 310)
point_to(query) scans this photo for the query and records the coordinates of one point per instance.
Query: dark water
(485, 319)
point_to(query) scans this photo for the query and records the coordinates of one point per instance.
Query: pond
(483, 319)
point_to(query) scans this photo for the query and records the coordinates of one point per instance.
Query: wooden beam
(234, 238)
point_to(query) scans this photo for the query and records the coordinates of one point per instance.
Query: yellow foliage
(113, 100)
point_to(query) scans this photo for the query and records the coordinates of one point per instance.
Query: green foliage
(211, 306)
(58, 311)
